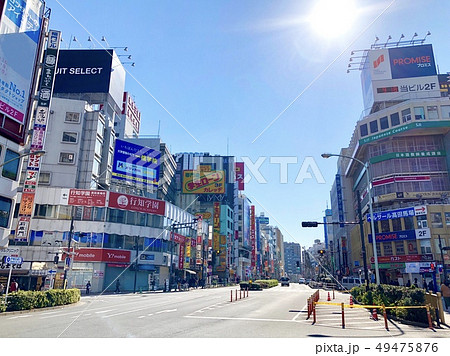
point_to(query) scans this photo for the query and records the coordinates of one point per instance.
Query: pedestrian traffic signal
(309, 223)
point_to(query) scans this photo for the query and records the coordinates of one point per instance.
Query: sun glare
(332, 18)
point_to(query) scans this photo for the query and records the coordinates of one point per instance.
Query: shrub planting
(26, 300)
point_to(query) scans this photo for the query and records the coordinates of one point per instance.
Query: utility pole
(363, 242)
(136, 263)
(442, 258)
(70, 257)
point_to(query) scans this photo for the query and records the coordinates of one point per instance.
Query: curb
(26, 311)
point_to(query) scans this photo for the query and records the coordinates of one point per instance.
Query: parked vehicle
(350, 282)
(302, 281)
(284, 281)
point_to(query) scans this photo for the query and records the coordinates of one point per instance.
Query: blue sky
(226, 69)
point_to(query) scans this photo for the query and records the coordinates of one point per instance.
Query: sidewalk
(361, 318)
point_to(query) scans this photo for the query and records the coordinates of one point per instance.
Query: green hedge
(26, 300)
(394, 296)
(267, 283)
(252, 286)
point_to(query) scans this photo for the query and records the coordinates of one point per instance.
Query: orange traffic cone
(351, 300)
(328, 299)
(374, 314)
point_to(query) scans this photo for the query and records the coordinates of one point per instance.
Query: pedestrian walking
(2, 288)
(408, 284)
(415, 283)
(431, 286)
(14, 286)
(117, 286)
(88, 287)
(445, 290)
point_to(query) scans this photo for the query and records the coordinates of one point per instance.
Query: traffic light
(297, 263)
(309, 223)
(321, 252)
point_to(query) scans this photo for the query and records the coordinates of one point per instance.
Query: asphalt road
(278, 312)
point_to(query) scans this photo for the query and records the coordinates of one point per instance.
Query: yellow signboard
(203, 182)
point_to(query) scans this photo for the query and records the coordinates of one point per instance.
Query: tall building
(404, 136)
(292, 260)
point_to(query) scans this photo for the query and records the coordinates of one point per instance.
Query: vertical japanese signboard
(216, 226)
(198, 251)
(253, 235)
(239, 169)
(38, 138)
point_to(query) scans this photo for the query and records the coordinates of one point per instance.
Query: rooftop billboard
(136, 164)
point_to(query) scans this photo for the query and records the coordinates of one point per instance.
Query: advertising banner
(240, 174)
(136, 164)
(253, 235)
(38, 140)
(402, 235)
(203, 182)
(399, 213)
(19, 37)
(86, 197)
(340, 199)
(395, 155)
(101, 255)
(204, 215)
(403, 258)
(135, 203)
(216, 227)
(181, 256)
(131, 112)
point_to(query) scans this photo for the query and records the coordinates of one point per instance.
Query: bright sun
(332, 18)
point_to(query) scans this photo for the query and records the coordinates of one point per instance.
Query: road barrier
(313, 298)
(374, 312)
(241, 295)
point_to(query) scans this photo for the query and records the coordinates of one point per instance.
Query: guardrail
(240, 294)
(384, 308)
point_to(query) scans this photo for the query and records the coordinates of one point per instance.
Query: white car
(284, 281)
(302, 281)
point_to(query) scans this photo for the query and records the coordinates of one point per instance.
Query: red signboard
(101, 255)
(239, 169)
(134, 203)
(131, 111)
(179, 239)
(87, 197)
(181, 257)
(403, 258)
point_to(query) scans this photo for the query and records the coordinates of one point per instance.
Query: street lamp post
(372, 225)
(37, 153)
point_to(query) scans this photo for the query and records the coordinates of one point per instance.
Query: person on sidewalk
(445, 290)
(88, 287)
(117, 286)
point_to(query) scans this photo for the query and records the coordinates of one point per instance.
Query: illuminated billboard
(203, 182)
(20, 29)
(136, 164)
(393, 73)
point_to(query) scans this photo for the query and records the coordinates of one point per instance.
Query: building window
(396, 224)
(95, 167)
(432, 112)
(406, 115)
(5, 211)
(363, 130)
(385, 226)
(100, 128)
(384, 123)
(70, 137)
(425, 246)
(422, 221)
(66, 157)
(409, 223)
(387, 247)
(98, 147)
(395, 119)
(445, 111)
(436, 220)
(419, 113)
(11, 169)
(447, 218)
(73, 117)
(44, 177)
(412, 247)
(374, 126)
(45, 211)
(399, 248)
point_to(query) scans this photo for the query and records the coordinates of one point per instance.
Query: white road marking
(19, 316)
(104, 311)
(166, 311)
(142, 316)
(244, 319)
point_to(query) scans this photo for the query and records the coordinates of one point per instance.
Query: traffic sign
(52, 271)
(14, 260)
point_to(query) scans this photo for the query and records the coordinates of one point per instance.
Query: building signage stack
(253, 236)
(38, 139)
